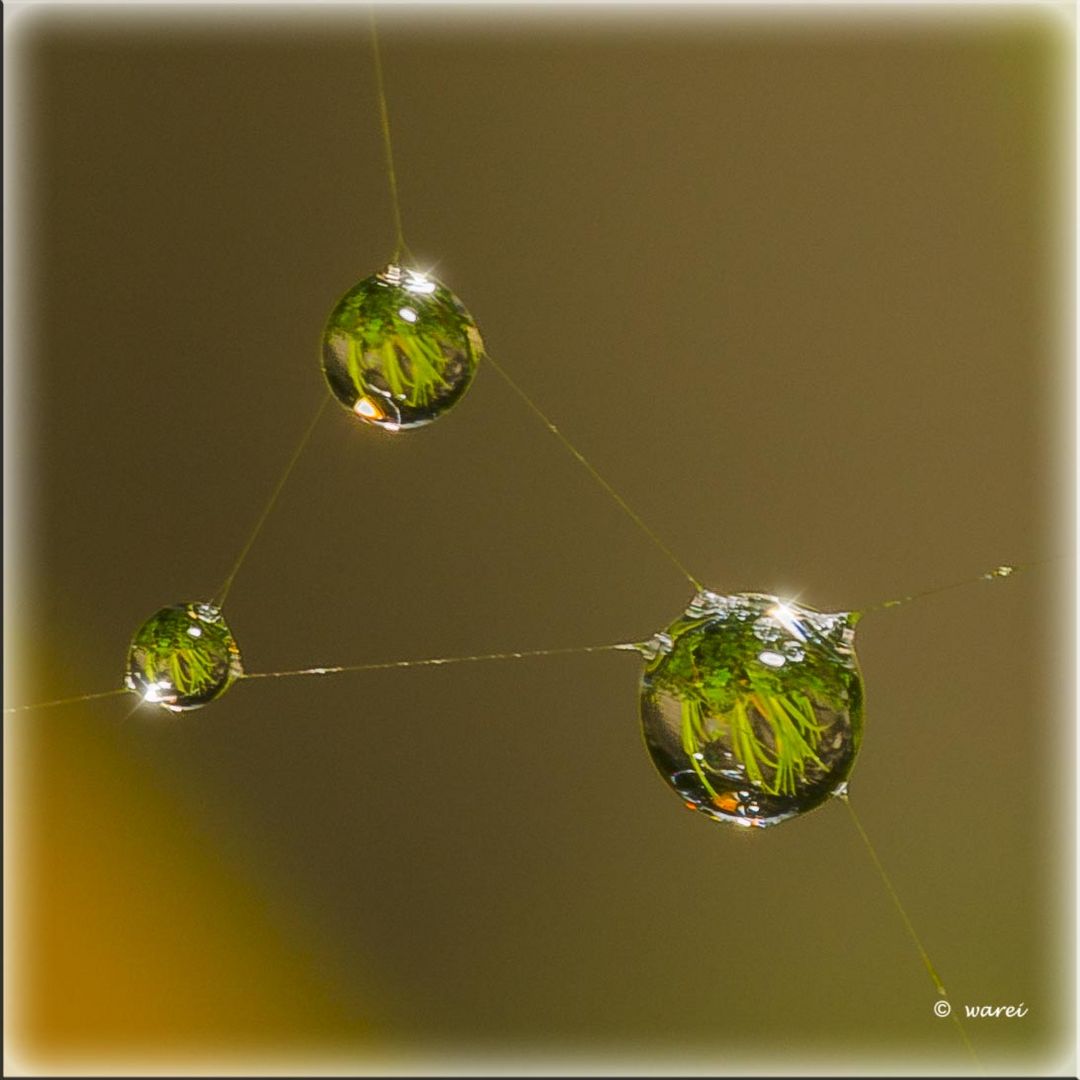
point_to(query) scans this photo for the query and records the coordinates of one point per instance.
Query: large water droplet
(747, 735)
(182, 657)
(399, 349)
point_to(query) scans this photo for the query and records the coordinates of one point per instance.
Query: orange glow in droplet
(368, 410)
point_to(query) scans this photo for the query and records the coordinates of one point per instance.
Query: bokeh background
(794, 281)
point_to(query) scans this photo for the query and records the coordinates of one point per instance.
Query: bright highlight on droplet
(154, 691)
(749, 735)
(785, 616)
(367, 408)
(419, 283)
(183, 657)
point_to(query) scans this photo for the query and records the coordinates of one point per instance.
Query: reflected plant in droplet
(183, 657)
(752, 708)
(400, 349)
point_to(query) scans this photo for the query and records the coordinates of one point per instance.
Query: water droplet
(706, 603)
(999, 571)
(399, 349)
(658, 644)
(740, 608)
(750, 736)
(183, 657)
(767, 629)
(793, 651)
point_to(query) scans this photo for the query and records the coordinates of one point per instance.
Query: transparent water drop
(793, 651)
(706, 602)
(748, 735)
(657, 645)
(740, 607)
(183, 657)
(399, 349)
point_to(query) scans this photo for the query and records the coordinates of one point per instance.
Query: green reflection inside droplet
(752, 707)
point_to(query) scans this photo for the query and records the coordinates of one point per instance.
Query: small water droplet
(741, 612)
(707, 602)
(999, 572)
(772, 659)
(182, 657)
(657, 645)
(794, 651)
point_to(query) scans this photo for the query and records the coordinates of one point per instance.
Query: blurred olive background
(794, 283)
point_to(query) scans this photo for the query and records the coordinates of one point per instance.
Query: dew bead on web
(183, 657)
(752, 707)
(399, 349)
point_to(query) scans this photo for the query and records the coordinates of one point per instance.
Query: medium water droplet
(741, 733)
(183, 657)
(399, 349)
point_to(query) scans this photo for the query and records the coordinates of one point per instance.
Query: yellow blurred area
(132, 934)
